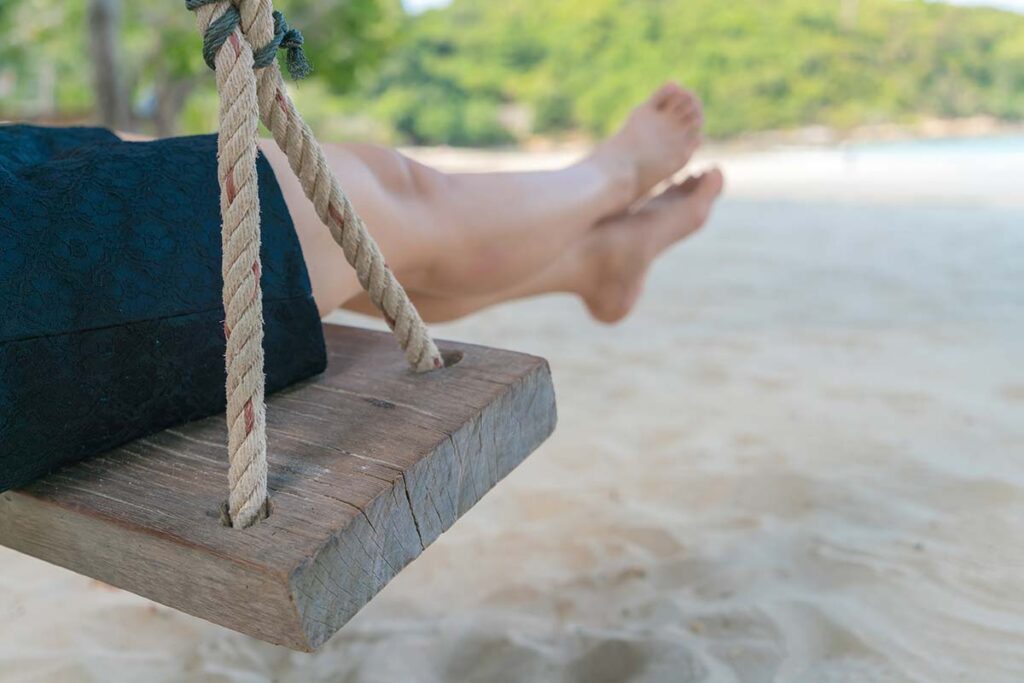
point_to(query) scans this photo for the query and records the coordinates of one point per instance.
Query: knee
(424, 198)
(426, 188)
(402, 178)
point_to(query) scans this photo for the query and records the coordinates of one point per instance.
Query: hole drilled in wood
(451, 358)
(225, 516)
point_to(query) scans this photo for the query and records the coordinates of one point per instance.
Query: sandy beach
(799, 460)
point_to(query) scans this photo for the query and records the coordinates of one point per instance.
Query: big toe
(702, 187)
(687, 107)
(710, 184)
(701, 197)
(667, 95)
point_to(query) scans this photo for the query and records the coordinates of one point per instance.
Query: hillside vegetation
(483, 72)
(486, 72)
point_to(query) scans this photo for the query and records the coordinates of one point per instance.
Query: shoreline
(791, 169)
(806, 137)
(971, 128)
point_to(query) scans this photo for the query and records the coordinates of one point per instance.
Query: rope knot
(285, 38)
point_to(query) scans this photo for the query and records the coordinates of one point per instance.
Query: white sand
(800, 460)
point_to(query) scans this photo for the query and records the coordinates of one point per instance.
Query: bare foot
(614, 258)
(657, 140)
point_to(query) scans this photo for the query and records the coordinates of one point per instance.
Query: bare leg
(484, 237)
(472, 233)
(480, 234)
(606, 268)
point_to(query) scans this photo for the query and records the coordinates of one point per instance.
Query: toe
(681, 210)
(715, 182)
(688, 185)
(666, 95)
(702, 197)
(691, 120)
(688, 119)
(690, 203)
(688, 101)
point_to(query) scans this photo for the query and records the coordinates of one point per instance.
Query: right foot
(615, 257)
(657, 140)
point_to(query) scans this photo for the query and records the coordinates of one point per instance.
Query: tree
(145, 68)
(104, 25)
(579, 65)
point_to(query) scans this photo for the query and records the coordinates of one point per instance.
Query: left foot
(657, 140)
(615, 256)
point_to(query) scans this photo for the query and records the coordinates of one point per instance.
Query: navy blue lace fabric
(111, 322)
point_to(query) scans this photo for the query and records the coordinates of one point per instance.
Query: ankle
(619, 180)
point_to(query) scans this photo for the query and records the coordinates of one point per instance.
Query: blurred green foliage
(484, 72)
(581, 64)
(44, 52)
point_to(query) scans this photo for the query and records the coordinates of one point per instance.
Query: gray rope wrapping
(285, 38)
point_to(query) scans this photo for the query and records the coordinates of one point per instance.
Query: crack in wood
(336, 449)
(412, 511)
(390, 401)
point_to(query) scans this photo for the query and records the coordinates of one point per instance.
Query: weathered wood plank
(369, 464)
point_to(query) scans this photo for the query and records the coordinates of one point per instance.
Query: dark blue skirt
(110, 285)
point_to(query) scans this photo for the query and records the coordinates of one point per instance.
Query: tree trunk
(171, 96)
(104, 20)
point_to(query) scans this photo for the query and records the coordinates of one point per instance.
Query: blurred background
(478, 73)
(800, 459)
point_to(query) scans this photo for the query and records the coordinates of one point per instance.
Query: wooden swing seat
(369, 464)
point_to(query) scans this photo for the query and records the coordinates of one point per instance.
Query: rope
(307, 160)
(243, 301)
(285, 38)
(254, 33)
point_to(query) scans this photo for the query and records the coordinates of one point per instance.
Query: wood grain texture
(369, 464)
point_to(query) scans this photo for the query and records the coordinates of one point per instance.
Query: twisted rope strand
(306, 158)
(263, 29)
(240, 41)
(243, 301)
